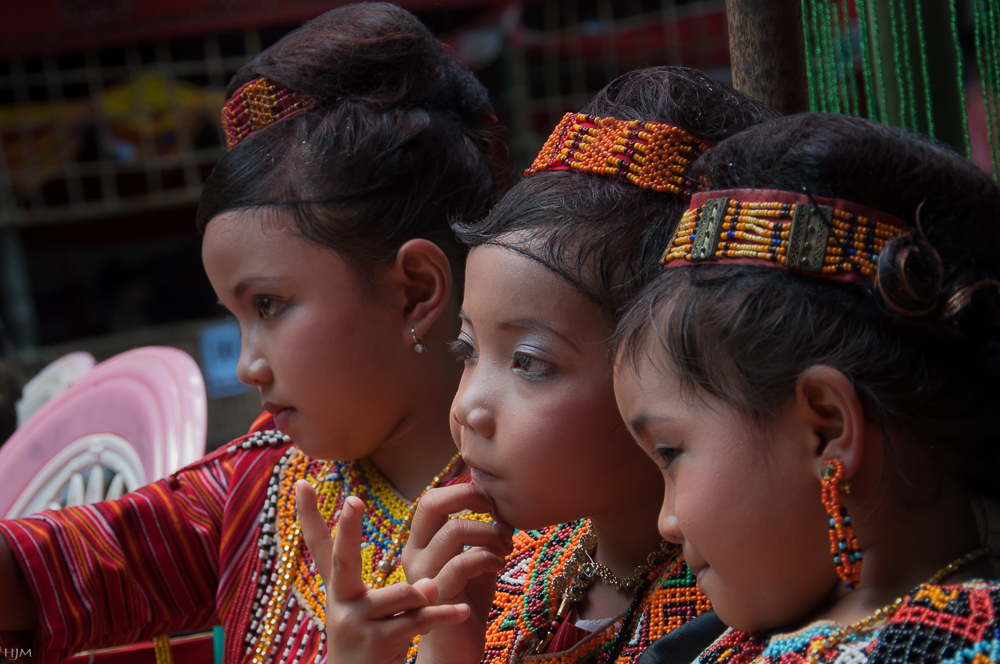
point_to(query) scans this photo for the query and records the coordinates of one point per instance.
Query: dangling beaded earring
(418, 344)
(843, 542)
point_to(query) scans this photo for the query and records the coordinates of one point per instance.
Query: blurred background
(109, 125)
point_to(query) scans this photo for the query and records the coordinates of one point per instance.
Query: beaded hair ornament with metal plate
(651, 155)
(831, 238)
(256, 105)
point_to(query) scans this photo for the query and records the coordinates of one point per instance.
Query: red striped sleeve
(130, 569)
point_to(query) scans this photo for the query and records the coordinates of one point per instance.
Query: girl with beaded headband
(551, 268)
(815, 371)
(354, 142)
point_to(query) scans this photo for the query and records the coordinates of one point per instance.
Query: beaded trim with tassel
(651, 155)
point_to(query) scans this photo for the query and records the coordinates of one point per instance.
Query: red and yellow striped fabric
(178, 554)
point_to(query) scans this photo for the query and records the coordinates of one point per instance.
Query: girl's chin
(516, 516)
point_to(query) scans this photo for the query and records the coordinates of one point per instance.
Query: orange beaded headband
(256, 105)
(650, 155)
(829, 237)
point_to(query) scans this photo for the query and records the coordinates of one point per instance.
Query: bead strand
(819, 647)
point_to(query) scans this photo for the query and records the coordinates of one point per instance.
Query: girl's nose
(253, 368)
(470, 410)
(668, 525)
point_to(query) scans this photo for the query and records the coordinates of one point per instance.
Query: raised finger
(314, 531)
(346, 583)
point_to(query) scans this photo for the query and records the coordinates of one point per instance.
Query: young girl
(354, 141)
(816, 373)
(535, 417)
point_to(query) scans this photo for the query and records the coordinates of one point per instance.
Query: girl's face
(745, 505)
(315, 339)
(535, 415)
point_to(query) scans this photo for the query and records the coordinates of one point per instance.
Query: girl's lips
(282, 417)
(700, 574)
(479, 477)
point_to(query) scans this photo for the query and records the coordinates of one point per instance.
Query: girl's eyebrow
(245, 283)
(638, 424)
(526, 324)
(537, 324)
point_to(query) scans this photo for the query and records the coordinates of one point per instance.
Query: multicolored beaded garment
(832, 238)
(957, 624)
(651, 155)
(256, 105)
(289, 614)
(526, 603)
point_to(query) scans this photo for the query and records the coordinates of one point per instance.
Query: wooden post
(767, 52)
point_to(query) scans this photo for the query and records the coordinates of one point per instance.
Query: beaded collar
(955, 624)
(256, 105)
(651, 155)
(831, 238)
(289, 589)
(529, 592)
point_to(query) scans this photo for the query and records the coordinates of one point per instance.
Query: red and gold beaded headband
(828, 237)
(651, 155)
(256, 105)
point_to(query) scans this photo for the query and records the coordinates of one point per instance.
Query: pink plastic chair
(132, 419)
(52, 380)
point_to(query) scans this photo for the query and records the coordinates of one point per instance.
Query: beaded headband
(829, 237)
(651, 155)
(256, 105)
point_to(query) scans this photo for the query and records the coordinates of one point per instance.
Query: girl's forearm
(17, 603)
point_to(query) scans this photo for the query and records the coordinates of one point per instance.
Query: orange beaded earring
(843, 542)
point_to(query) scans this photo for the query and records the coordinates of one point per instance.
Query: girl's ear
(829, 406)
(421, 277)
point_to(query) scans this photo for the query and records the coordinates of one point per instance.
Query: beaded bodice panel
(958, 624)
(288, 614)
(526, 603)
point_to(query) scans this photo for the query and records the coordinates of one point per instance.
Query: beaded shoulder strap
(256, 105)
(832, 238)
(651, 155)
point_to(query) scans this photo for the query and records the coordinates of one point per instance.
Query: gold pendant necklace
(581, 571)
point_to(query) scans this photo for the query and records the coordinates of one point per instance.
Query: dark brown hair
(922, 348)
(397, 146)
(601, 234)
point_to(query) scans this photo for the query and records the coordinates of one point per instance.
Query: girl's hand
(362, 625)
(436, 549)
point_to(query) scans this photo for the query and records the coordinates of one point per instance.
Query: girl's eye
(463, 350)
(664, 456)
(267, 307)
(531, 367)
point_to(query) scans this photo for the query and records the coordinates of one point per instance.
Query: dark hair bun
(910, 276)
(684, 97)
(399, 143)
(373, 52)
